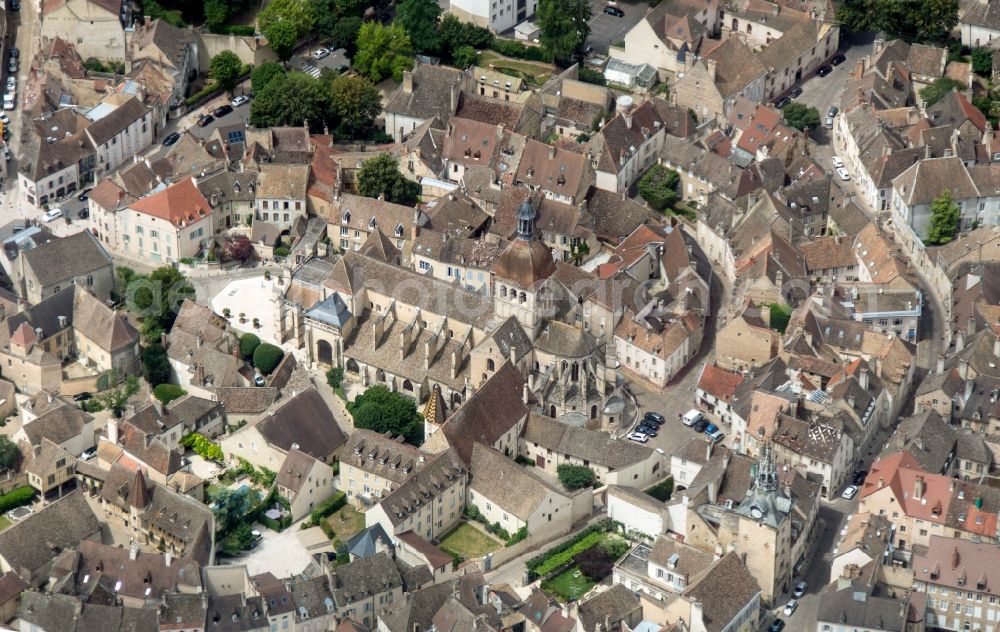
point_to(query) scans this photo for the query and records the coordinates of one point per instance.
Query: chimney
(407, 81)
(113, 430)
(711, 64)
(940, 363)
(959, 341)
(963, 368)
(970, 326)
(954, 558)
(525, 394)
(890, 74)
(863, 378)
(918, 487)
(708, 450)
(168, 557)
(454, 98)
(765, 314)
(133, 551)
(996, 346)
(696, 615)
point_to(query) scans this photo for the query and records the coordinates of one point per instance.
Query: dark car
(205, 120)
(700, 425)
(82, 397)
(833, 111)
(824, 70)
(838, 59)
(222, 110)
(656, 418)
(615, 11)
(782, 102)
(859, 478)
(14, 52)
(171, 139)
(777, 626)
(83, 195)
(795, 93)
(83, 214)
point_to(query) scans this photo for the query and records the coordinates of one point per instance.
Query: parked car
(320, 53)
(843, 174)
(83, 213)
(649, 430)
(823, 71)
(82, 397)
(800, 589)
(240, 100)
(205, 120)
(15, 5)
(615, 11)
(12, 64)
(52, 214)
(88, 454)
(83, 195)
(171, 139)
(638, 437)
(222, 110)
(710, 429)
(782, 102)
(849, 492)
(258, 379)
(837, 161)
(255, 539)
(8, 102)
(656, 418)
(4, 119)
(838, 59)
(796, 92)
(11, 83)
(828, 123)
(859, 477)
(777, 626)
(700, 425)
(790, 607)
(716, 436)
(692, 417)
(14, 52)
(833, 111)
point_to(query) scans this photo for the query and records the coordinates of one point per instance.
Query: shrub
(595, 563)
(560, 559)
(575, 476)
(16, 497)
(659, 187)
(327, 508)
(203, 447)
(266, 357)
(248, 343)
(592, 76)
(472, 512)
(281, 251)
(188, 261)
(204, 93)
(599, 527)
(521, 534)
(92, 406)
(335, 376)
(167, 393)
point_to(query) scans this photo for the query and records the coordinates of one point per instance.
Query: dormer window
(345, 218)
(399, 230)
(372, 223)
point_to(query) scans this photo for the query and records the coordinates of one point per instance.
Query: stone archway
(352, 366)
(408, 386)
(324, 352)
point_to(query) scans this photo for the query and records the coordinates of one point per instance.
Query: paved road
(607, 29)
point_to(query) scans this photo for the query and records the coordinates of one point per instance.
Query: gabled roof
(303, 421)
(180, 204)
(28, 544)
(508, 485)
(723, 592)
(736, 66)
(294, 470)
(495, 408)
(61, 260)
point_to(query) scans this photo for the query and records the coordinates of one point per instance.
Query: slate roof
(614, 605)
(62, 260)
(304, 420)
(31, 542)
(590, 445)
(840, 607)
(509, 485)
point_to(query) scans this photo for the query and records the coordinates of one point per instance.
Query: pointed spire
(765, 471)
(139, 495)
(526, 222)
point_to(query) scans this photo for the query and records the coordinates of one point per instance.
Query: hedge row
(535, 563)
(328, 507)
(562, 558)
(16, 497)
(203, 447)
(512, 48)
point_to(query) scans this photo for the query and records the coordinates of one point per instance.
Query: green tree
(335, 376)
(575, 476)
(155, 364)
(157, 298)
(592, 76)
(801, 116)
(381, 176)
(564, 25)
(282, 37)
(465, 56)
(982, 61)
(298, 13)
(248, 344)
(420, 20)
(939, 89)
(382, 410)
(595, 563)
(10, 456)
(345, 34)
(226, 69)
(216, 14)
(945, 217)
(454, 33)
(266, 357)
(927, 21)
(264, 73)
(356, 102)
(231, 507)
(383, 51)
(351, 8)
(290, 100)
(116, 398)
(778, 316)
(659, 187)
(167, 393)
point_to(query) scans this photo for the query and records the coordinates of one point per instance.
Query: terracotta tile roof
(719, 383)
(180, 204)
(903, 475)
(552, 169)
(765, 410)
(958, 564)
(828, 253)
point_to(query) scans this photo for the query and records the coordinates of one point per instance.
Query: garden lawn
(4, 522)
(534, 72)
(569, 585)
(345, 522)
(468, 542)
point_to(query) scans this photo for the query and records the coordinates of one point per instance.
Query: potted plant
(267, 275)
(243, 318)
(227, 312)
(256, 323)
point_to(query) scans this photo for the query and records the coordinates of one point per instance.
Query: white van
(691, 417)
